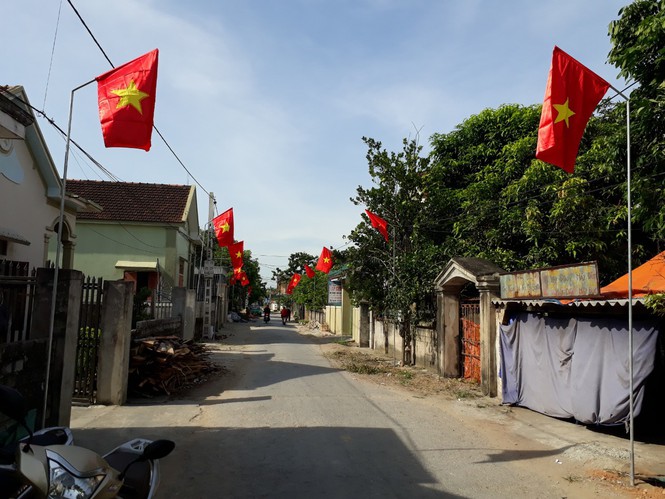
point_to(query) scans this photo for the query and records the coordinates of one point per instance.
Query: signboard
(334, 293)
(209, 268)
(566, 281)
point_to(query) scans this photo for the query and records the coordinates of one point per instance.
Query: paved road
(284, 423)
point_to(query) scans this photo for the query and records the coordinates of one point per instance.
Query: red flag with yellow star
(223, 225)
(310, 273)
(295, 279)
(242, 277)
(236, 251)
(379, 224)
(325, 262)
(126, 97)
(573, 91)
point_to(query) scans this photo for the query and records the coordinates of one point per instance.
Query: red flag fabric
(244, 280)
(379, 224)
(572, 94)
(224, 228)
(295, 279)
(325, 262)
(310, 273)
(126, 98)
(236, 251)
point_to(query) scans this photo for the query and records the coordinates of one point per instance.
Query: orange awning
(648, 278)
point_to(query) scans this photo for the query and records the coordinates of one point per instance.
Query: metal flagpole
(61, 217)
(394, 283)
(630, 294)
(630, 299)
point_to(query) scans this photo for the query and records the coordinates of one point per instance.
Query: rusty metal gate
(470, 329)
(85, 377)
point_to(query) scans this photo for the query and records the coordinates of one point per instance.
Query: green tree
(296, 264)
(638, 38)
(491, 199)
(393, 278)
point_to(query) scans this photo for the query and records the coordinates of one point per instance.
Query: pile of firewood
(166, 364)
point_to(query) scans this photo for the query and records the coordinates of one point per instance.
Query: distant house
(30, 190)
(145, 233)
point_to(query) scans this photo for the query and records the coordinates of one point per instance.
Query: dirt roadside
(576, 454)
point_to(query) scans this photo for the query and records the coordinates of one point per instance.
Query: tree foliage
(638, 38)
(638, 41)
(393, 278)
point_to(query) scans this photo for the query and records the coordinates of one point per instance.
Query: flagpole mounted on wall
(61, 217)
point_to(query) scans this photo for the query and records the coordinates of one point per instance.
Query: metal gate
(85, 377)
(470, 328)
(17, 288)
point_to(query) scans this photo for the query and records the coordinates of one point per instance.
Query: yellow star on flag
(564, 112)
(326, 260)
(238, 254)
(130, 96)
(225, 227)
(237, 270)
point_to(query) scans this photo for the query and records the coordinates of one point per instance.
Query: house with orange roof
(146, 233)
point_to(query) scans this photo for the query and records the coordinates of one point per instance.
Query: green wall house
(145, 233)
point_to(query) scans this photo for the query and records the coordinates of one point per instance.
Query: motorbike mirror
(157, 449)
(13, 404)
(154, 450)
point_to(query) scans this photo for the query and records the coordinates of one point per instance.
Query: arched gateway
(456, 275)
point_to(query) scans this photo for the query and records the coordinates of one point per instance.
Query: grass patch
(417, 380)
(360, 368)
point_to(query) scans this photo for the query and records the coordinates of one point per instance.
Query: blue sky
(266, 101)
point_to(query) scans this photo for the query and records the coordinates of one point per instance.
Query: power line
(55, 37)
(153, 126)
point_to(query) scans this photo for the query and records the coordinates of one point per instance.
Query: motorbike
(15, 434)
(266, 317)
(131, 470)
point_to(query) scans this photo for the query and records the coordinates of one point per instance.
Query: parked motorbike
(55, 435)
(131, 470)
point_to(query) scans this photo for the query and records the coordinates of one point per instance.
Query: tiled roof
(132, 202)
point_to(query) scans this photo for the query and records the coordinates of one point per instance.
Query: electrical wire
(153, 126)
(55, 37)
(107, 172)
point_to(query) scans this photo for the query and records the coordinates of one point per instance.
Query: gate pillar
(448, 333)
(65, 335)
(488, 287)
(116, 326)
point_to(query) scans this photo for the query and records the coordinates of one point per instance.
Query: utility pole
(208, 274)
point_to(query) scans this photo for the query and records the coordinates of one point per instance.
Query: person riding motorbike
(266, 313)
(284, 314)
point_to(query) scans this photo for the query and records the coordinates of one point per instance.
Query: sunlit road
(284, 423)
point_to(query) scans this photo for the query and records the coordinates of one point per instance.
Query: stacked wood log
(162, 365)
